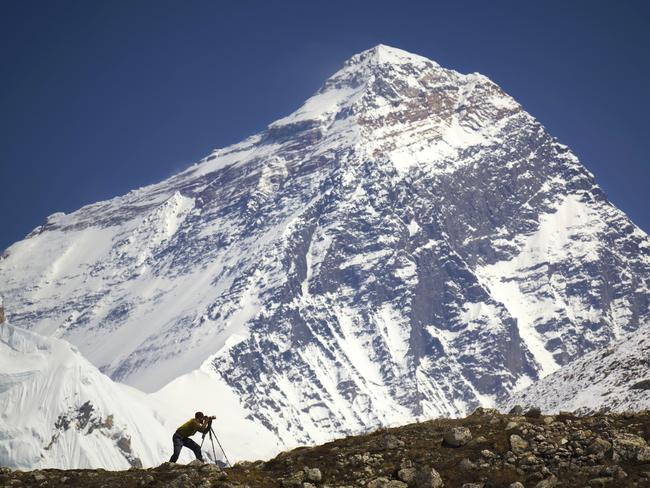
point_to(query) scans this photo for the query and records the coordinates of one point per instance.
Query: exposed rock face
(409, 243)
(560, 454)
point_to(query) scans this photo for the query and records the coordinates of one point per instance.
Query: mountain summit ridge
(412, 246)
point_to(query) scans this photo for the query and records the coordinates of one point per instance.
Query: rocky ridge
(484, 450)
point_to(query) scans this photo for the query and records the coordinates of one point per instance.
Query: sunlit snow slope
(57, 410)
(615, 378)
(408, 243)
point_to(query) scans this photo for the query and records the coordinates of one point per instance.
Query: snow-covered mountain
(59, 411)
(408, 243)
(615, 378)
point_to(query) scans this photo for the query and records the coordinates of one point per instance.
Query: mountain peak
(350, 83)
(383, 54)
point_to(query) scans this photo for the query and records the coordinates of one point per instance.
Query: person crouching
(200, 423)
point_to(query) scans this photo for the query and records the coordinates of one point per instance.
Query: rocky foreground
(486, 449)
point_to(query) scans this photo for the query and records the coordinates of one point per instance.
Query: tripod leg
(221, 447)
(214, 454)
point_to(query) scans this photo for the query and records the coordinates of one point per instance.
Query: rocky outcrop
(506, 451)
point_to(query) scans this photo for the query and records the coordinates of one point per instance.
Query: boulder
(516, 410)
(313, 474)
(391, 441)
(547, 483)
(428, 478)
(518, 445)
(483, 411)
(533, 413)
(457, 436)
(630, 447)
(407, 475)
(383, 482)
(295, 481)
(599, 447)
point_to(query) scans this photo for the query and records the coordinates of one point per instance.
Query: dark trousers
(179, 442)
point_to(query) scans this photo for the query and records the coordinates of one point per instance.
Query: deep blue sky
(97, 98)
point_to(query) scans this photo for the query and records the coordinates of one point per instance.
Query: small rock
(38, 477)
(457, 436)
(466, 465)
(183, 481)
(516, 484)
(146, 480)
(197, 463)
(599, 482)
(512, 425)
(473, 485)
(487, 454)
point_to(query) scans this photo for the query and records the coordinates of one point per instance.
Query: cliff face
(409, 243)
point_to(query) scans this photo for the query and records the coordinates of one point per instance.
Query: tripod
(210, 432)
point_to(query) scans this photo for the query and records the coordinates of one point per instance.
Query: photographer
(200, 423)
